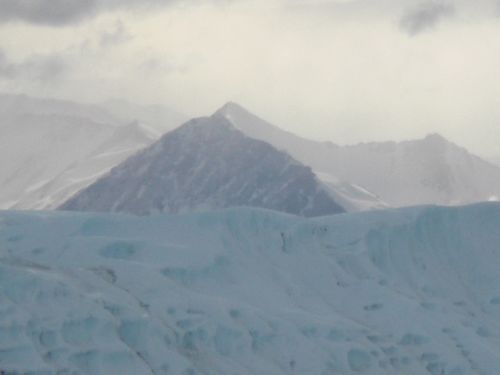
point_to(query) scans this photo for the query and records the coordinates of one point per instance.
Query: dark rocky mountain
(206, 164)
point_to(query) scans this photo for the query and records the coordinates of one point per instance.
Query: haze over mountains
(57, 148)
(50, 149)
(426, 171)
(359, 177)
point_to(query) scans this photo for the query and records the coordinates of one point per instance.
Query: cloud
(168, 65)
(7, 70)
(41, 68)
(67, 12)
(425, 17)
(47, 12)
(118, 35)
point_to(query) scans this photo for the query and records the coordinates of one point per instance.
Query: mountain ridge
(430, 170)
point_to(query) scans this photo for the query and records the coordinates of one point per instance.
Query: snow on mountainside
(50, 149)
(246, 291)
(206, 164)
(427, 171)
(430, 170)
(352, 197)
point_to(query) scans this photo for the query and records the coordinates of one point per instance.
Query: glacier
(251, 291)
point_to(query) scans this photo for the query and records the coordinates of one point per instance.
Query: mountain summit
(207, 163)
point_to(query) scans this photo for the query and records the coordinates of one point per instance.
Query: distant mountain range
(51, 149)
(426, 171)
(207, 164)
(54, 149)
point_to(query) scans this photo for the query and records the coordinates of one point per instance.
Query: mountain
(50, 149)
(247, 291)
(207, 164)
(426, 171)
(315, 154)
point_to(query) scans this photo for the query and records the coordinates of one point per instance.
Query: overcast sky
(345, 71)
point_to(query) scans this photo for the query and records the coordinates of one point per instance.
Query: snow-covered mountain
(430, 170)
(50, 149)
(426, 171)
(315, 154)
(205, 164)
(245, 291)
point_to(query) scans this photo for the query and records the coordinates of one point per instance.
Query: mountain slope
(50, 149)
(245, 291)
(206, 164)
(427, 171)
(314, 154)
(50, 158)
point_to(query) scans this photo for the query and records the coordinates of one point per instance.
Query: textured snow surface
(426, 171)
(247, 291)
(207, 163)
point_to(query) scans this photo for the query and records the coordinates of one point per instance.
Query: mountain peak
(233, 111)
(231, 106)
(435, 137)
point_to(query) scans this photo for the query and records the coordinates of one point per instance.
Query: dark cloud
(41, 68)
(67, 12)
(48, 12)
(425, 17)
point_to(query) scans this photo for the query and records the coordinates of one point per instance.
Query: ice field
(249, 291)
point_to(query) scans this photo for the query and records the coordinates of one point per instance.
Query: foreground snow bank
(244, 291)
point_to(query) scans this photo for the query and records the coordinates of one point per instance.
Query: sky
(347, 71)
